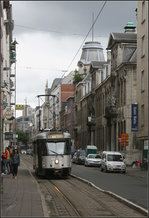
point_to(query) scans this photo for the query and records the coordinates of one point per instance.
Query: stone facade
(104, 98)
(142, 74)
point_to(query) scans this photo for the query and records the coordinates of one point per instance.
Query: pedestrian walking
(7, 154)
(11, 153)
(15, 161)
(3, 162)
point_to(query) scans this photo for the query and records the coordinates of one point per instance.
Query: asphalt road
(132, 188)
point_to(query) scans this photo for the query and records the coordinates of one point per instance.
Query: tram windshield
(55, 148)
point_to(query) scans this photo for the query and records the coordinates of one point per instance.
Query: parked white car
(93, 160)
(113, 162)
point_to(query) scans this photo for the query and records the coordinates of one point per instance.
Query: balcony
(111, 112)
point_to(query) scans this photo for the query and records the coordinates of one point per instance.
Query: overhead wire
(87, 35)
(52, 31)
(70, 34)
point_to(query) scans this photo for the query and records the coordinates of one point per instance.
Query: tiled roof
(124, 36)
(121, 37)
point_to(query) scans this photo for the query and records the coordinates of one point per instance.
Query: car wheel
(101, 169)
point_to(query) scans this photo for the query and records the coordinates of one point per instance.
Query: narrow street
(74, 108)
(67, 198)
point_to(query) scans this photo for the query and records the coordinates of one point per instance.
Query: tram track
(57, 202)
(89, 203)
(74, 198)
(92, 196)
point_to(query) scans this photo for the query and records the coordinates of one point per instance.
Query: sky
(50, 33)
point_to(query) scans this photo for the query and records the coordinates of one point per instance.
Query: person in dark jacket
(15, 161)
(3, 164)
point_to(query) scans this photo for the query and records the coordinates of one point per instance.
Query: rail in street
(74, 198)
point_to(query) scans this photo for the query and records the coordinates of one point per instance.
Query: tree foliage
(77, 77)
(21, 136)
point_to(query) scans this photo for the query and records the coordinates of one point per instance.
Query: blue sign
(134, 118)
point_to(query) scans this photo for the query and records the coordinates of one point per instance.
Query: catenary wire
(52, 31)
(86, 35)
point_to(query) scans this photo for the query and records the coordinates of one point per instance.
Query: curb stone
(125, 201)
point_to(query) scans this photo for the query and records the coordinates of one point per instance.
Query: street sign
(124, 139)
(8, 135)
(19, 107)
(134, 117)
(119, 139)
(8, 114)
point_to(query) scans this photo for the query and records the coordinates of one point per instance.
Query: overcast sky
(50, 33)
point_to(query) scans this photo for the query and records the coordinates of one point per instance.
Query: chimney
(130, 27)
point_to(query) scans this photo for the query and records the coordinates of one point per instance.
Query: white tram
(52, 153)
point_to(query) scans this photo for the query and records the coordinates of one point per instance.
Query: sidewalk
(21, 196)
(137, 172)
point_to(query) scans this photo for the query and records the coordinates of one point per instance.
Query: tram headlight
(56, 161)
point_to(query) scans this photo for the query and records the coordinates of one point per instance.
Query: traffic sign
(124, 139)
(19, 107)
(119, 138)
(8, 135)
(8, 114)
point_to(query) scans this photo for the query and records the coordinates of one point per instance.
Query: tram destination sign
(55, 136)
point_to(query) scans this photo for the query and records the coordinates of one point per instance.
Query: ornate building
(104, 98)
(142, 76)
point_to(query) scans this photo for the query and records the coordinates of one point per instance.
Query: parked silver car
(93, 160)
(79, 157)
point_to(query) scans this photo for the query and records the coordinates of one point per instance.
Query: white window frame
(143, 11)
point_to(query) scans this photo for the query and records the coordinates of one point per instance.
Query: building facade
(142, 75)
(105, 97)
(7, 62)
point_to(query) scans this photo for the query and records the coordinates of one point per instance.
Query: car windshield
(55, 148)
(114, 157)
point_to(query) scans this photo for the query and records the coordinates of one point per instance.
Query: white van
(112, 162)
